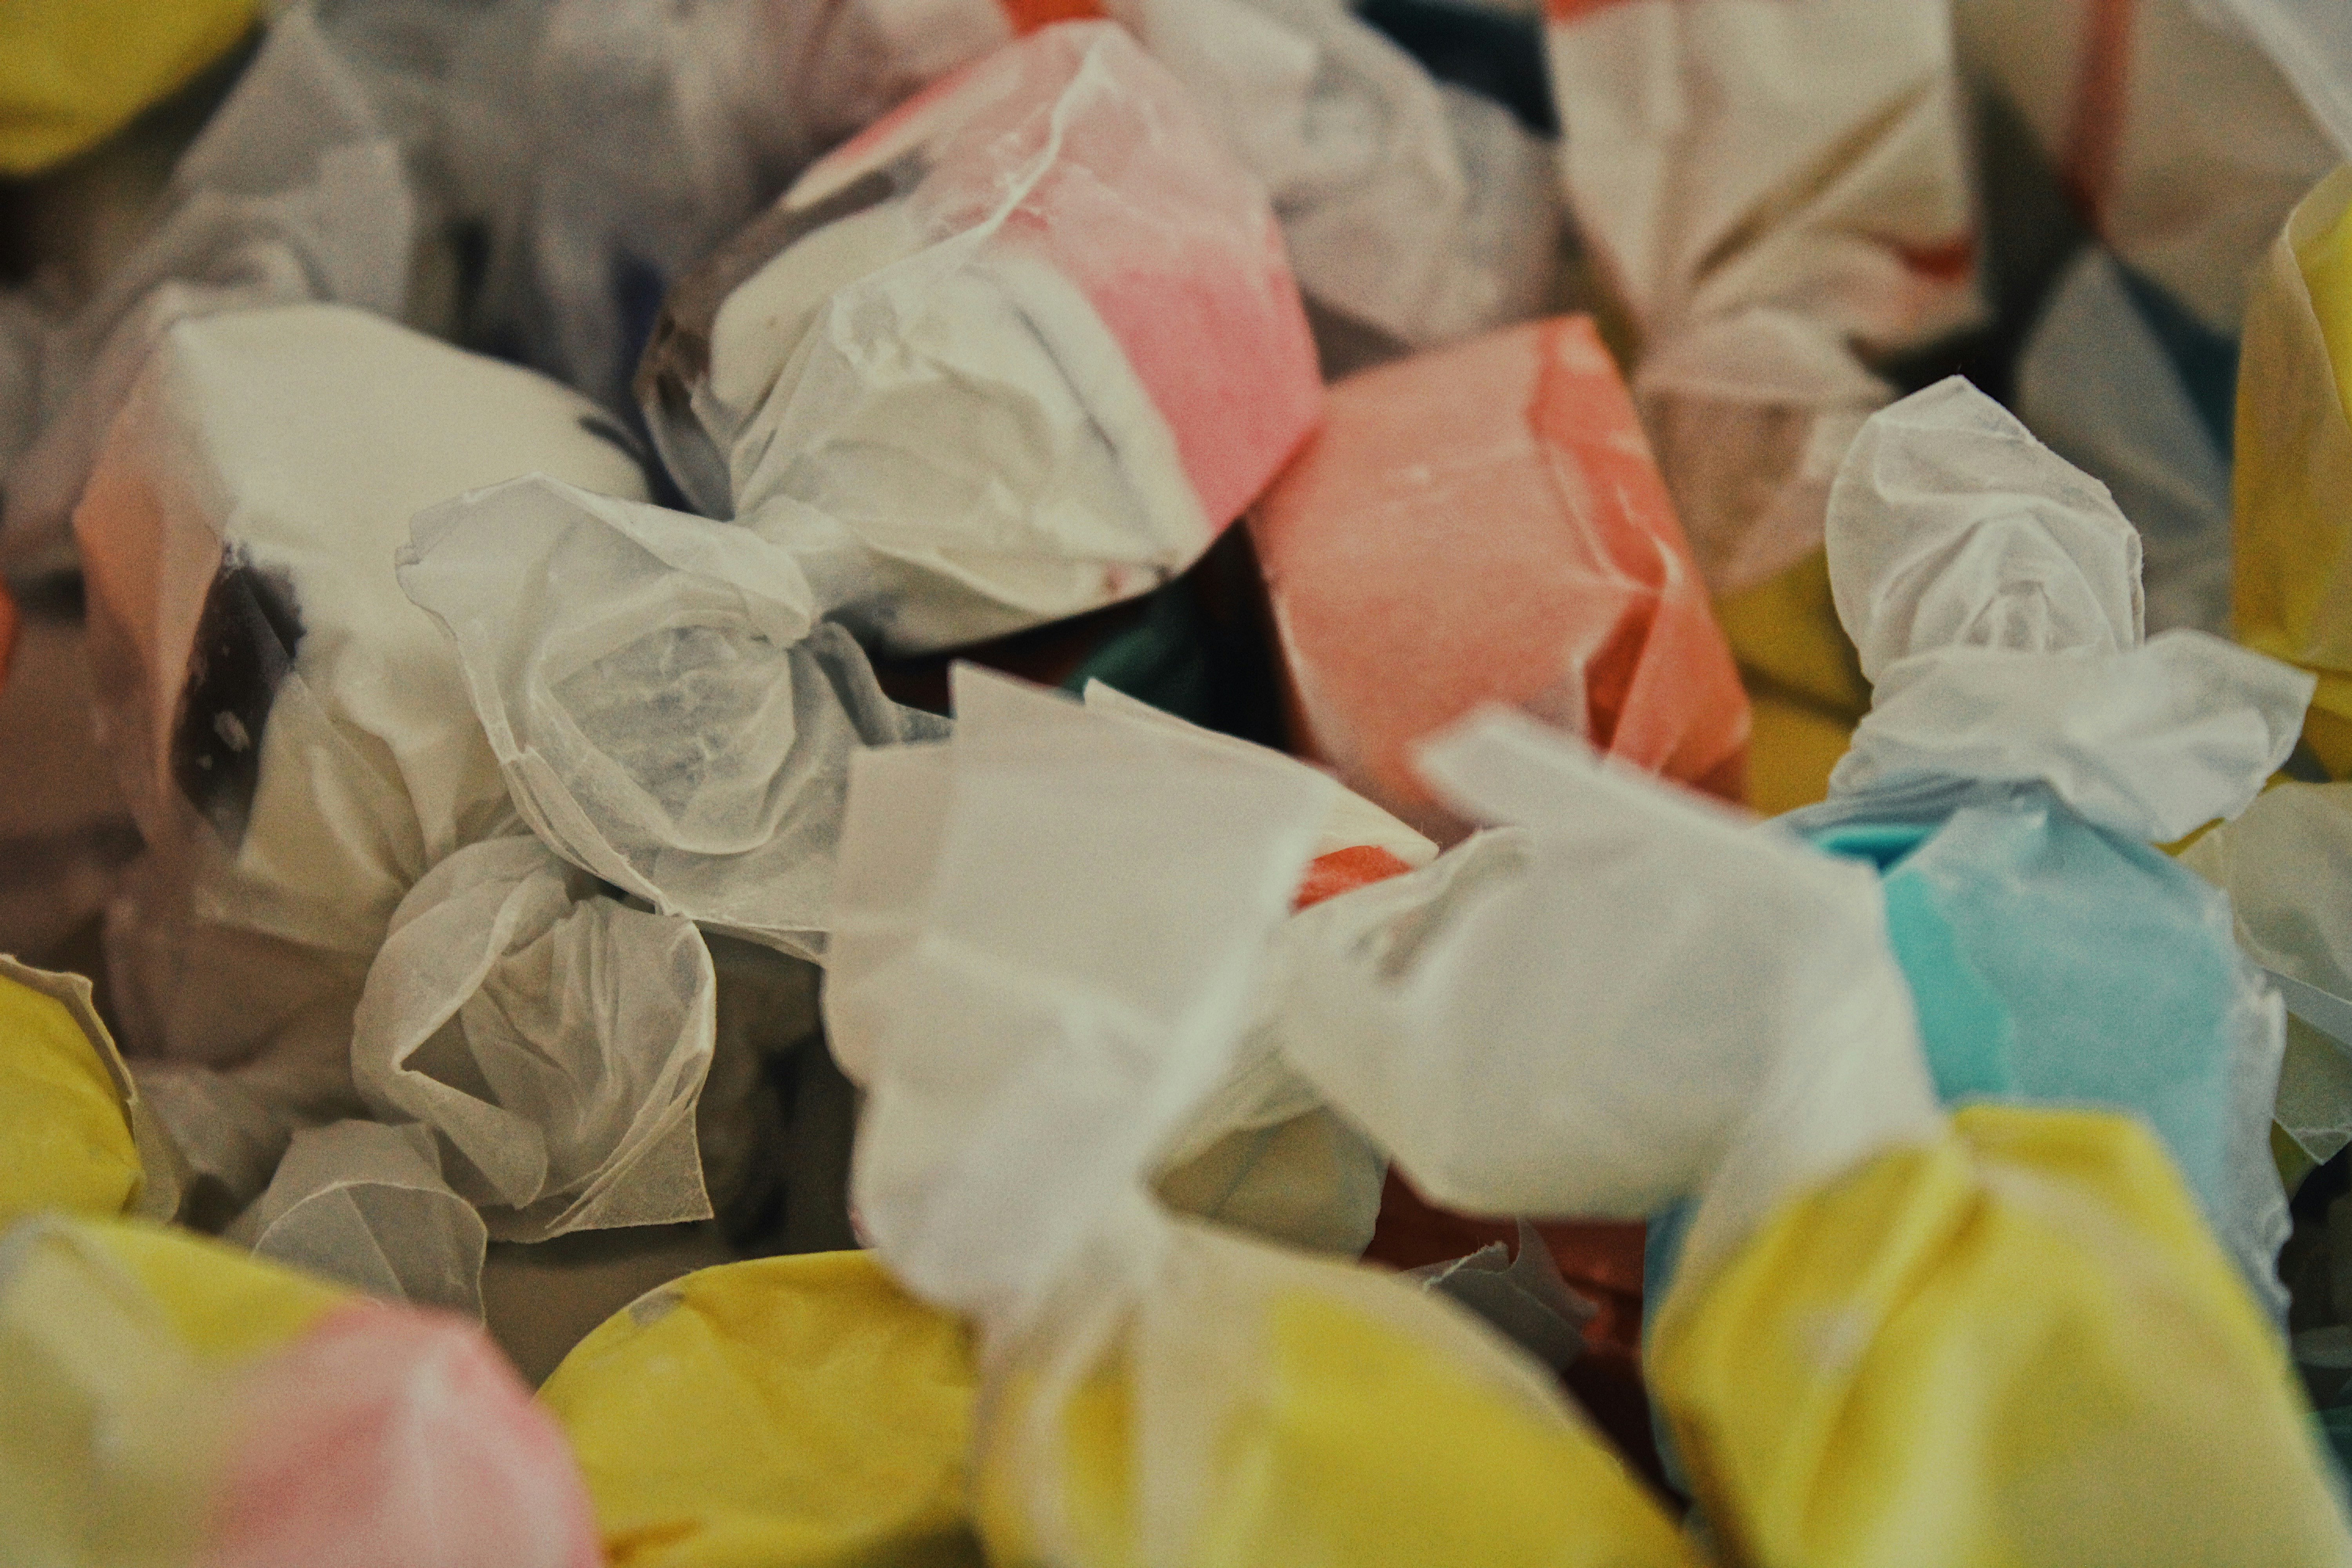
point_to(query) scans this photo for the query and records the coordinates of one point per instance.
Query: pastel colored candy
(1484, 524)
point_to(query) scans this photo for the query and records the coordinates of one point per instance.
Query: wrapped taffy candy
(1022, 349)
(804, 1411)
(2293, 470)
(2023, 749)
(1778, 194)
(169, 1403)
(1030, 1035)
(1627, 999)
(298, 741)
(75, 1136)
(1484, 524)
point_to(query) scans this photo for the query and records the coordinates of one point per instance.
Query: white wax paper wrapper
(293, 735)
(2094, 381)
(1019, 351)
(2284, 864)
(667, 712)
(1626, 999)
(1022, 1070)
(1407, 206)
(294, 193)
(1047, 934)
(553, 1039)
(1261, 1151)
(2187, 198)
(1992, 591)
(1778, 194)
(364, 1202)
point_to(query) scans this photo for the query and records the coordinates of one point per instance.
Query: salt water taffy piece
(2284, 864)
(1030, 1033)
(799, 1412)
(293, 735)
(1021, 350)
(2023, 749)
(1742, 1032)
(1778, 195)
(2294, 468)
(326, 1430)
(2022, 1331)
(75, 1134)
(1514, 459)
(666, 711)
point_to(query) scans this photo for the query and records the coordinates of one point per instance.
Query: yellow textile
(65, 1131)
(1804, 683)
(2018, 1346)
(2292, 485)
(73, 72)
(782, 1413)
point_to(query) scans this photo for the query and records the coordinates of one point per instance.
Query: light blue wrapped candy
(2024, 748)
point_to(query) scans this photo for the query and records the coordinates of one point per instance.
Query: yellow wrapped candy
(783, 1413)
(72, 1127)
(1804, 683)
(2017, 1346)
(73, 72)
(2293, 480)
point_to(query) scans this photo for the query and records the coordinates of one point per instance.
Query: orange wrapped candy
(1486, 525)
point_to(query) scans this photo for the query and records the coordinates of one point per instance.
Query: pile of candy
(1175, 782)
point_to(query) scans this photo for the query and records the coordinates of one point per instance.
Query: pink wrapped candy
(1484, 524)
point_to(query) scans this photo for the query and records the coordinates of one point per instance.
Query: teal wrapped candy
(2054, 963)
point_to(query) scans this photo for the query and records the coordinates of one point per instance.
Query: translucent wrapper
(1019, 351)
(2023, 748)
(2113, 102)
(1778, 195)
(666, 708)
(139, 1431)
(293, 735)
(1134, 1369)
(364, 1203)
(296, 192)
(1515, 459)
(70, 81)
(552, 1039)
(76, 1136)
(2283, 864)
(2294, 464)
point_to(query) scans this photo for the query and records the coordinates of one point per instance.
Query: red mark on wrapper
(2102, 91)
(1028, 16)
(1344, 870)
